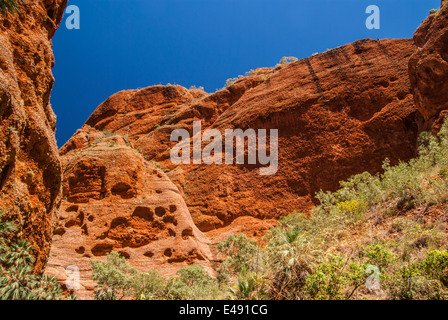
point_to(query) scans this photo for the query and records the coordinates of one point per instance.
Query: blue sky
(129, 44)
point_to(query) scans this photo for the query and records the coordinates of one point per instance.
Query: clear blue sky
(129, 44)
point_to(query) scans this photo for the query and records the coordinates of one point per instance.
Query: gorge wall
(339, 113)
(30, 171)
(428, 69)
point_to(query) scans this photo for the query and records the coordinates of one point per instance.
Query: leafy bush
(116, 279)
(372, 223)
(435, 265)
(9, 5)
(299, 260)
(17, 282)
(410, 283)
(240, 251)
(192, 283)
(286, 60)
(378, 255)
(328, 280)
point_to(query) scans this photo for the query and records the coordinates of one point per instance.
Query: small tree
(114, 277)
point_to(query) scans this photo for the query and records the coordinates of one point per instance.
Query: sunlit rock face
(30, 170)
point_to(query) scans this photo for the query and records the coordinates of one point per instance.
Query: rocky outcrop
(30, 172)
(115, 200)
(428, 68)
(338, 113)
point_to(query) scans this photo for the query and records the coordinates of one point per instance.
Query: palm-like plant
(246, 289)
(19, 256)
(5, 227)
(17, 282)
(9, 5)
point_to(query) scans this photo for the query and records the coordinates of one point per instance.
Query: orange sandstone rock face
(428, 67)
(30, 173)
(338, 113)
(117, 201)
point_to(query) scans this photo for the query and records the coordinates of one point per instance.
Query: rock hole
(118, 221)
(73, 208)
(402, 95)
(59, 231)
(168, 252)
(148, 254)
(170, 219)
(144, 213)
(187, 233)
(124, 254)
(102, 249)
(160, 211)
(80, 250)
(393, 79)
(123, 190)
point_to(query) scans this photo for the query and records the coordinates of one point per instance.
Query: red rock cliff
(338, 113)
(30, 172)
(428, 68)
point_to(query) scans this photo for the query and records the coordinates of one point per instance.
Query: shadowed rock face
(30, 173)
(428, 68)
(338, 113)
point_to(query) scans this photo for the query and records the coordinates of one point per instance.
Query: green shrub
(192, 283)
(248, 287)
(240, 251)
(408, 283)
(378, 255)
(286, 60)
(231, 81)
(435, 265)
(149, 285)
(328, 280)
(116, 279)
(9, 5)
(17, 282)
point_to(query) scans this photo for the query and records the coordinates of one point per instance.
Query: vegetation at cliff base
(17, 281)
(379, 236)
(116, 280)
(9, 5)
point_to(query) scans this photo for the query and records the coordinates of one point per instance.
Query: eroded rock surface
(338, 113)
(30, 172)
(117, 201)
(428, 68)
